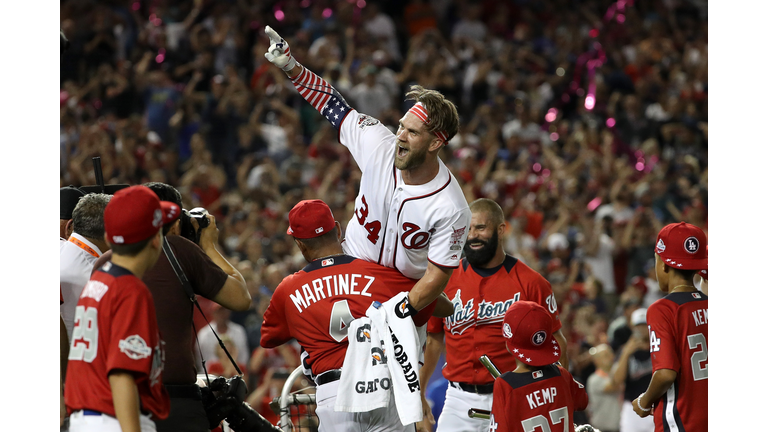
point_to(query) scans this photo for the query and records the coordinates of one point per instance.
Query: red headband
(420, 111)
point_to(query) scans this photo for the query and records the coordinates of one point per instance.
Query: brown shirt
(172, 306)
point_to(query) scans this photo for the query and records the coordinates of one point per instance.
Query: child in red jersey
(678, 325)
(114, 375)
(539, 393)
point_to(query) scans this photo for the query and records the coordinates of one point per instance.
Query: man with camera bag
(210, 276)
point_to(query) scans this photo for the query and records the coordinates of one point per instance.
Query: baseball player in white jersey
(410, 213)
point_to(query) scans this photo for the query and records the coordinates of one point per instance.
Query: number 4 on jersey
(373, 227)
(341, 316)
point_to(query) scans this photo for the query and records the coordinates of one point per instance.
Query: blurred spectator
(68, 198)
(221, 365)
(604, 397)
(600, 250)
(633, 371)
(620, 329)
(222, 325)
(370, 96)
(419, 16)
(593, 295)
(381, 29)
(470, 27)
(284, 357)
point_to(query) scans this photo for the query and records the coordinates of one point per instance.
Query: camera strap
(193, 298)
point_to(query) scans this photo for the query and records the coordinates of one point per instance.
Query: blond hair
(443, 115)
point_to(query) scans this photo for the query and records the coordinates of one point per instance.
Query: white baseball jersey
(76, 259)
(395, 224)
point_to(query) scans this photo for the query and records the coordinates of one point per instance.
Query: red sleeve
(61, 295)
(578, 392)
(274, 328)
(398, 283)
(661, 327)
(500, 420)
(133, 330)
(435, 325)
(539, 290)
(425, 314)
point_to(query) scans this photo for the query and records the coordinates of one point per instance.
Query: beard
(481, 257)
(411, 160)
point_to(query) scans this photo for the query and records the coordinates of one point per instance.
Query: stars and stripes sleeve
(363, 135)
(322, 96)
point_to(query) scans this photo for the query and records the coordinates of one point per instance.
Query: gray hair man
(81, 250)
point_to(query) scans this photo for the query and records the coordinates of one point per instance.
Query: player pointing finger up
(410, 213)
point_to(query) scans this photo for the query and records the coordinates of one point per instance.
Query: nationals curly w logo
(412, 238)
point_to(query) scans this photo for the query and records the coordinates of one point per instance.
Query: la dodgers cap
(135, 214)
(68, 198)
(310, 219)
(683, 246)
(527, 328)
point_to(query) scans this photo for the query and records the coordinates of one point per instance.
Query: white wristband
(640, 406)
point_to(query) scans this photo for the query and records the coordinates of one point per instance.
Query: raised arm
(315, 90)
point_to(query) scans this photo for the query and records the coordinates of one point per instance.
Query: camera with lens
(224, 399)
(188, 230)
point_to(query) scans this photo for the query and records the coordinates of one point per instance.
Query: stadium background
(586, 121)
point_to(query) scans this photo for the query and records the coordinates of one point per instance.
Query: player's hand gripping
(279, 53)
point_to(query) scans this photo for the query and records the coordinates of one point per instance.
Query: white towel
(365, 378)
(365, 381)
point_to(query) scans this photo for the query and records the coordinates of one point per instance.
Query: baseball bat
(494, 371)
(486, 361)
(479, 414)
(97, 172)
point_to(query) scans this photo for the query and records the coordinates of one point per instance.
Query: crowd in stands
(586, 121)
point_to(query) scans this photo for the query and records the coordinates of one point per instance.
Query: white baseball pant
(79, 422)
(381, 419)
(631, 422)
(454, 417)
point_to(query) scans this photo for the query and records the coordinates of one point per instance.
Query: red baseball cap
(310, 219)
(683, 246)
(528, 329)
(135, 214)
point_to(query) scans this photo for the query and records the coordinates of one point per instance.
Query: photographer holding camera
(210, 276)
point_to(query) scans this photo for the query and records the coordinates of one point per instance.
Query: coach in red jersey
(484, 286)
(316, 305)
(678, 325)
(538, 393)
(116, 356)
